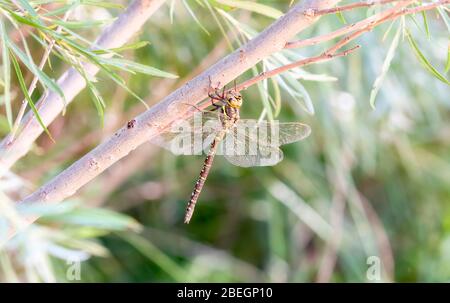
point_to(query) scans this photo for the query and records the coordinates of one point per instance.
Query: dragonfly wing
(293, 131)
(274, 133)
(270, 157)
(190, 137)
(242, 149)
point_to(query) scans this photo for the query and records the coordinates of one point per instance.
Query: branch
(163, 114)
(71, 82)
(367, 22)
(352, 6)
(327, 55)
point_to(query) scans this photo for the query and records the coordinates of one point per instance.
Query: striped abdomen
(202, 178)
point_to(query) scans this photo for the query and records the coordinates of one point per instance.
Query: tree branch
(367, 22)
(71, 82)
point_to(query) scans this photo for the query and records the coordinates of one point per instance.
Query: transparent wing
(252, 143)
(273, 132)
(191, 136)
(243, 149)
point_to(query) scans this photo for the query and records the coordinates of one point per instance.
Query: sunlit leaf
(424, 61)
(102, 4)
(188, 8)
(27, 96)
(137, 67)
(132, 46)
(83, 24)
(43, 78)
(341, 17)
(447, 65)
(96, 217)
(425, 23)
(258, 8)
(6, 74)
(385, 68)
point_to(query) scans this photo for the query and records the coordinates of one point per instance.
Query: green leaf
(97, 99)
(96, 217)
(258, 8)
(385, 68)
(132, 46)
(445, 17)
(424, 61)
(27, 21)
(6, 74)
(157, 256)
(62, 10)
(27, 96)
(447, 66)
(188, 8)
(264, 96)
(83, 24)
(425, 23)
(102, 4)
(43, 78)
(341, 17)
(277, 97)
(137, 67)
(26, 5)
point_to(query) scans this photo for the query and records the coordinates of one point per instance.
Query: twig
(160, 116)
(352, 6)
(325, 56)
(366, 22)
(269, 74)
(71, 82)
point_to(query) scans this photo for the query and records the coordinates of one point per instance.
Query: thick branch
(170, 109)
(71, 82)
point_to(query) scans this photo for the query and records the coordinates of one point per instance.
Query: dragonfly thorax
(233, 99)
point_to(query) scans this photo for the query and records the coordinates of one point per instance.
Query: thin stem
(269, 74)
(391, 13)
(352, 6)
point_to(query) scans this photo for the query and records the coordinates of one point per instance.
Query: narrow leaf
(385, 68)
(188, 8)
(425, 23)
(137, 67)
(132, 46)
(447, 66)
(424, 61)
(27, 96)
(6, 74)
(341, 17)
(43, 78)
(258, 8)
(97, 217)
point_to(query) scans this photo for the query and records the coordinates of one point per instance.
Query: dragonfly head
(234, 99)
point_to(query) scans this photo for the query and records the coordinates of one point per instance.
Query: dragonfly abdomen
(202, 177)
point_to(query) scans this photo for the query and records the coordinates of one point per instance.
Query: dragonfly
(243, 142)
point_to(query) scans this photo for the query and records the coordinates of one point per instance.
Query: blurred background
(366, 197)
